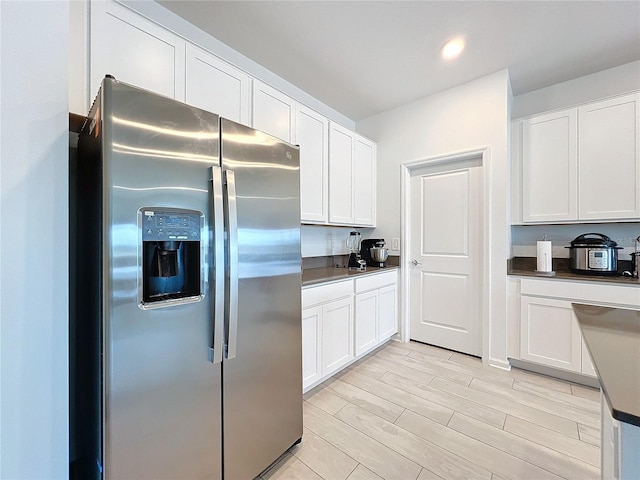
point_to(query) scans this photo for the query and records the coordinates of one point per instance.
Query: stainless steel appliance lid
(600, 241)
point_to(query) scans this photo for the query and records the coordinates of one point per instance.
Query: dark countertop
(316, 276)
(612, 336)
(526, 266)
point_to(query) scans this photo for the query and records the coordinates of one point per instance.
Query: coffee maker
(378, 257)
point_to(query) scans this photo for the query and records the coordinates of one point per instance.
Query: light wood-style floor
(413, 411)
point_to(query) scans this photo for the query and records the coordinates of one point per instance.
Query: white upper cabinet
(550, 167)
(352, 165)
(340, 175)
(364, 181)
(609, 172)
(337, 166)
(214, 85)
(273, 111)
(135, 50)
(312, 134)
(581, 163)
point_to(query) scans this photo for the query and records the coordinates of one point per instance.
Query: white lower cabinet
(620, 444)
(337, 335)
(366, 321)
(376, 310)
(549, 331)
(550, 334)
(388, 311)
(311, 345)
(339, 326)
(327, 330)
(587, 364)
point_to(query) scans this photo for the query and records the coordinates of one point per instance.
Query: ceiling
(365, 57)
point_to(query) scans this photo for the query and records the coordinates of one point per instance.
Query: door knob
(415, 263)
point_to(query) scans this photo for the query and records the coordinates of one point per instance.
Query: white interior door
(446, 256)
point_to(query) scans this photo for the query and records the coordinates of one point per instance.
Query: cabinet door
(341, 172)
(135, 50)
(364, 181)
(549, 333)
(216, 86)
(387, 312)
(337, 335)
(366, 324)
(586, 364)
(311, 346)
(609, 170)
(312, 134)
(549, 167)
(273, 111)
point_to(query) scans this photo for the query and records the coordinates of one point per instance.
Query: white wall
(614, 81)
(34, 143)
(467, 117)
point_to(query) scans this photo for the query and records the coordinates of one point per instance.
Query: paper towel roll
(544, 256)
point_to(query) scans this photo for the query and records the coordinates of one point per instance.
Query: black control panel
(170, 225)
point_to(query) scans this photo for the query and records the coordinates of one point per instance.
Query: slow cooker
(593, 254)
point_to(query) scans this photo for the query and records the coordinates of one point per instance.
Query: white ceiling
(365, 57)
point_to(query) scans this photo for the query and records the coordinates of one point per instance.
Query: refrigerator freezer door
(262, 384)
(162, 398)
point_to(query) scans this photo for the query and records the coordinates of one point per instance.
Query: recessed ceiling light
(452, 48)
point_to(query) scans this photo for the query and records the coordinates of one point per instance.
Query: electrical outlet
(395, 244)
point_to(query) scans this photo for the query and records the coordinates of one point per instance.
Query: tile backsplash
(524, 237)
(320, 241)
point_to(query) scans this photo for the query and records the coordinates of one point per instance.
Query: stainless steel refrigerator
(185, 326)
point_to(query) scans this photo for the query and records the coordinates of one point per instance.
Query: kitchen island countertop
(612, 336)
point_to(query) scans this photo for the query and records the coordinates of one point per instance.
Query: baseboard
(556, 373)
(502, 364)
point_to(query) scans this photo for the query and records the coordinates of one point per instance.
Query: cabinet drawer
(326, 293)
(598, 293)
(369, 282)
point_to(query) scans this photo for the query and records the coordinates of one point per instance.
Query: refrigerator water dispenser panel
(170, 256)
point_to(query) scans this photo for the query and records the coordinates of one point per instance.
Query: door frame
(484, 155)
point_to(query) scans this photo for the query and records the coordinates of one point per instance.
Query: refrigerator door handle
(215, 352)
(232, 209)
